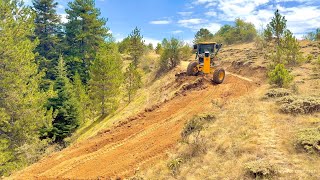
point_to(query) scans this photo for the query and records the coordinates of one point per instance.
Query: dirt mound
(190, 83)
(138, 141)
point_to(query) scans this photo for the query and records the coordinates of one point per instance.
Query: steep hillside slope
(251, 138)
(137, 140)
(249, 130)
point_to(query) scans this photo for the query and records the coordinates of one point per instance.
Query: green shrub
(196, 124)
(261, 169)
(295, 88)
(171, 55)
(276, 93)
(309, 58)
(287, 100)
(309, 140)
(136, 177)
(280, 76)
(241, 31)
(186, 52)
(174, 165)
(207, 117)
(291, 49)
(149, 63)
(195, 143)
(299, 105)
(195, 148)
(260, 42)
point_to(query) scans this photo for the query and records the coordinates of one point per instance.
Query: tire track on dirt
(82, 160)
(123, 149)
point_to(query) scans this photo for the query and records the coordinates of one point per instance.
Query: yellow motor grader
(206, 61)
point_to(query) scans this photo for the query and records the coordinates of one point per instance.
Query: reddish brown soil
(136, 142)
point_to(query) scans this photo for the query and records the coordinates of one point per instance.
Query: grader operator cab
(206, 62)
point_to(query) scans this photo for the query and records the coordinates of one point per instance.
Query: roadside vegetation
(271, 133)
(239, 32)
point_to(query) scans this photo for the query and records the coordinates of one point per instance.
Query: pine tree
(313, 36)
(132, 81)
(65, 106)
(159, 48)
(48, 31)
(124, 45)
(291, 49)
(150, 46)
(22, 109)
(203, 35)
(287, 49)
(106, 79)
(85, 31)
(276, 27)
(186, 52)
(171, 55)
(82, 97)
(136, 46)
(280, 76)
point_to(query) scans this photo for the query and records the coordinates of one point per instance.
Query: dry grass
(251, 138)
(153, 92)
(246, 131)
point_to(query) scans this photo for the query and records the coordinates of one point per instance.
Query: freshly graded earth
(139, 141)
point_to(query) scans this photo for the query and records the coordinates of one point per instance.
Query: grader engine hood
(206, 62)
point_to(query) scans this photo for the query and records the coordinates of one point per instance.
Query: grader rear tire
(219, 75)
(192, 69)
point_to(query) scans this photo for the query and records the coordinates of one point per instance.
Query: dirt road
(135, 142)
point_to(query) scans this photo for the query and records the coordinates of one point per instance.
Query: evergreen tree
(159, 48)
(287, 49)
(124, 46)
(186, 52)
(313, 36)
(280, 76)
(291, 49)
(82, 98)
(106, 79)
(244, 31)
(276, 27)
(150, 46)
(267, 34)
(85, 31)
(22, 109)
(136, 46)
(65, 106)
(203, 35)
(132, 81)
(171, 55)
(48, 31)
(241, 31)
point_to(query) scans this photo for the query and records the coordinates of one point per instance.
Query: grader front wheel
(219, 75)
(192, 69)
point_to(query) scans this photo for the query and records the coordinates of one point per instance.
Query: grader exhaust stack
(205, 63)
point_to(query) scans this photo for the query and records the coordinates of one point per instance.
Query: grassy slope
(250, 129)
(247, 128)
(152, 93)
